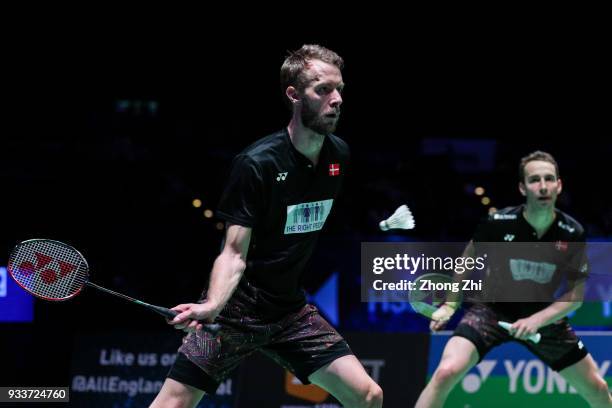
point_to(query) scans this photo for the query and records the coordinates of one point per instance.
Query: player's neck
(306, 141)
(539, 218)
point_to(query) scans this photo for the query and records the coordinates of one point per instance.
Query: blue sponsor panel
(510, 376)
(16, 305)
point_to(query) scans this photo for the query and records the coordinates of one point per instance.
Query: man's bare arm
(226, 273)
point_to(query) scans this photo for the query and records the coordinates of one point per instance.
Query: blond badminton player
(280, 192)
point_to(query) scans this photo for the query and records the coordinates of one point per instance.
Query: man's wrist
(214, 306)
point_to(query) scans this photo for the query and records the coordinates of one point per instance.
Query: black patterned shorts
(302, 342)
(559, 346)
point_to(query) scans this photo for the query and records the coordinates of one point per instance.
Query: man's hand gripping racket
(439, 305)
(534, 338)
(54, 271)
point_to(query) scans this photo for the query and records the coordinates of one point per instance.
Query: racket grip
(212, 328)
(534, 338)
(167, 313)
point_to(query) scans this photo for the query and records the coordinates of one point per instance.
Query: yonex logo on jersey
(566, 227)
(508, 237)
(281, 176)
(307, 217)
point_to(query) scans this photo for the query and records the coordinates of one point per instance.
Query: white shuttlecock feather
(401, 219)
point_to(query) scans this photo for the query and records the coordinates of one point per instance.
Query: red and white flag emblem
(334, 169)
(561, 246)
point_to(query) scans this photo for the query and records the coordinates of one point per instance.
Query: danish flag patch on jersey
(561, 246)
(334, 169)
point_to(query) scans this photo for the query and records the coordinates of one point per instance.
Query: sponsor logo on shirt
(504, 216)
(566, 227)
(307, 217)
(540, 272)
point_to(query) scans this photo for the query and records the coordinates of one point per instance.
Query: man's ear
(522, 189)
(292, 94)
(559, 186)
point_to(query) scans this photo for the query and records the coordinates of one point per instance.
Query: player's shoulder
(267, 147)
(258, 156)
(569, 224)
(339, 145)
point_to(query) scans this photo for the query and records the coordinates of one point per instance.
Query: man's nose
(336, 99)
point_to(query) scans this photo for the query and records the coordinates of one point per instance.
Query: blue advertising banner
(510, 376)
(16, 305)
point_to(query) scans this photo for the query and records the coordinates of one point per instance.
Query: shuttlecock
(401, 219)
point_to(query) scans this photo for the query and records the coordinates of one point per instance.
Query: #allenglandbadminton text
(424, 263)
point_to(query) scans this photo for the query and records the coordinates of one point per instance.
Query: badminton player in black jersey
(280, 192)
(540, 272)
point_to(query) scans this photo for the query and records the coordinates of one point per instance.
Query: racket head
(48, 269)
(426, 302)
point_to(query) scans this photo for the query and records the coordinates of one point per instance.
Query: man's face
(541, 185)
(321, 100)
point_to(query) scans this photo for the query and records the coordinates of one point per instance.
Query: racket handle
(534, 338)
(167, 313)
(212, 328)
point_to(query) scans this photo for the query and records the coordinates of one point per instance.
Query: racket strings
(48, 269)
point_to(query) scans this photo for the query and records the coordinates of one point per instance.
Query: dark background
(107, 140)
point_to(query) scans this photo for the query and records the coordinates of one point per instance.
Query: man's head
(539, 179)
(312, 82)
